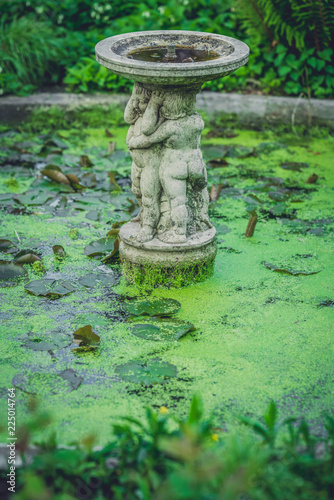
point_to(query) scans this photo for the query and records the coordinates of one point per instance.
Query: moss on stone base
(154, 276)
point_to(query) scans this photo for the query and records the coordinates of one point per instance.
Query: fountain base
(156, 263)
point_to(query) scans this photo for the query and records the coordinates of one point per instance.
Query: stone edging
(249, 109)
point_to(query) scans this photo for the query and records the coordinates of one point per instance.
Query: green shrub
(162, 458)
(29, 51)
(291, 41)
(87, 75)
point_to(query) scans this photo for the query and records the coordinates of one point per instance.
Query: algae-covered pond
(262, 325)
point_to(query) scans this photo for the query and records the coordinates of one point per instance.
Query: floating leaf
(154, 371)
(33, 198)
(93, 215)
(45, 384)
(71, 377)
(11, 274)
(154, 307)
(59, 251)
(268, 147)
(92, 280)
(54, 173)
(7, 246)
(52, 342)
(53, 141)
(169, 330)
(252, 199)
(86, 337)
(88, 180)
(277, 195)
(49, 287)
(115, 253)
(294, 165)
(100, 247)
(278, 209)
(282, 270)
(74, 181)
(85, 161)
(26, 257)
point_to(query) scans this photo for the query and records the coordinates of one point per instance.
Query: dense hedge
(53, 42)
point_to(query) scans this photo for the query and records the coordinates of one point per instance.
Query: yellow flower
(214, 437)
(163, 410)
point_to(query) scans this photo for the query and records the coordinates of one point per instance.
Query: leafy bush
(87, 75)
(291, 41)
(188, 459)
(29, 52)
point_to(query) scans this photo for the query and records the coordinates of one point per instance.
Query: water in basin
(172, 54)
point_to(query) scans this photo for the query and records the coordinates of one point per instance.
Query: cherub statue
(146, 184)
(181, 161)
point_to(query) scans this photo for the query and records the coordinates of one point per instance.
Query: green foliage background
(53, 42)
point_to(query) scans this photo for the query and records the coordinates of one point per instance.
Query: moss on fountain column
(156, 263)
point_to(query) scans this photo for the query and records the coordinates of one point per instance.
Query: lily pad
(100, 247)
(72, 378)
(92, 280)
(7, 246)
(154, 307)
(294, 166)
(26, 257)
(86, 337)
(59, 251)
(88, 180)
(33, 197)
(154, 371)
(93, 215)
(283, 270)
(167, 330)
(11, 274)
(49, 287)
(52, 342)
(46, 384)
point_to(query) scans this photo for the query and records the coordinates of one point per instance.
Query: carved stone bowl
(112, 53)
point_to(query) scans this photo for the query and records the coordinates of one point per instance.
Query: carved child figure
(146, 184)
(181, 161)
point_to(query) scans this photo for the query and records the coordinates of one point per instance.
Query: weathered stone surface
(112, 53)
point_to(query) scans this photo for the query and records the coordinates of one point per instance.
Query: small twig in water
(215, 191)
(17, 236)
(251, 225)
(293, 115)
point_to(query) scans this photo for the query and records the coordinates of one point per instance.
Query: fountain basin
(113, 53)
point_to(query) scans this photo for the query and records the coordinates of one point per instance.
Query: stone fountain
(172, 240)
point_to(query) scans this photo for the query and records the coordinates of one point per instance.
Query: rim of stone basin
(129, 231)
(112, 53)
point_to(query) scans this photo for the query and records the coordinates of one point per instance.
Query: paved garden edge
(250, 109)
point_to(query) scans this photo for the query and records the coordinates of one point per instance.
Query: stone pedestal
(157, 263)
